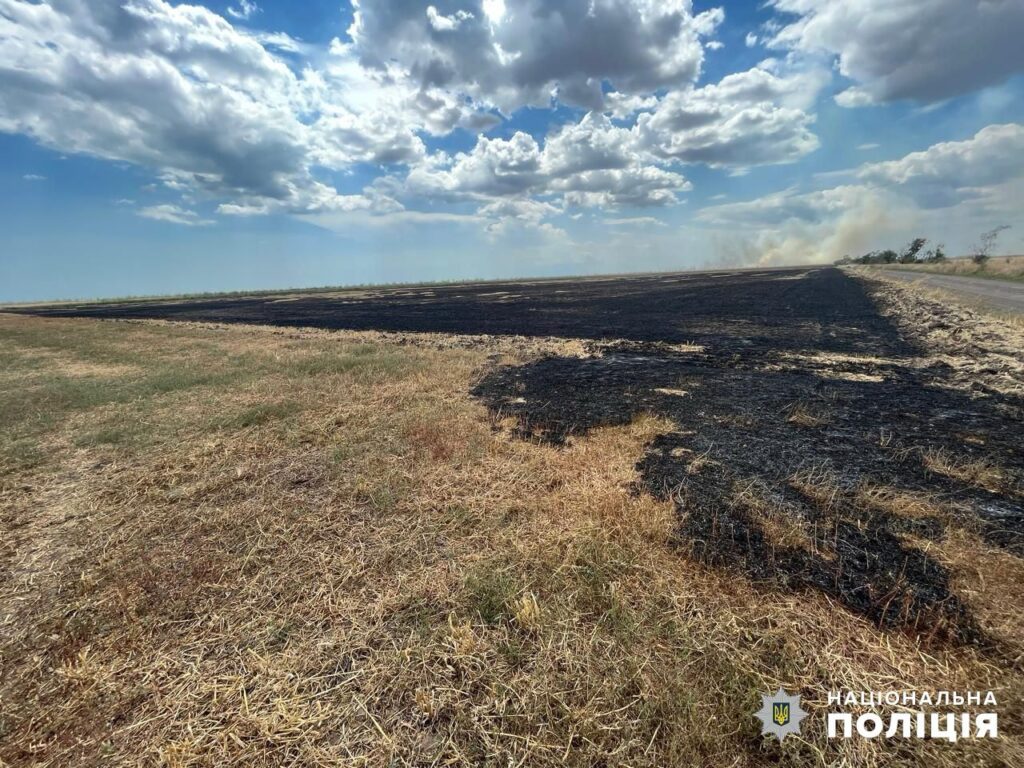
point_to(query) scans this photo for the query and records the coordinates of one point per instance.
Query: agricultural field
(541, 523)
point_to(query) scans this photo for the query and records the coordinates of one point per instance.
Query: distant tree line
(915, 252)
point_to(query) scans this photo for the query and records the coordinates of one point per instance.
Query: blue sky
(153, 147)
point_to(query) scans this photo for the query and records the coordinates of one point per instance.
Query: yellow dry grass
(803, 415)
(783, 528)
(262, 547)
(898, 502)
(1000, 267)
(975, 472)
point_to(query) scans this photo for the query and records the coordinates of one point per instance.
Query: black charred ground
(803, 424)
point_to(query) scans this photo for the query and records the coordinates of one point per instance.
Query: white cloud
(173, 214)
(634, 221)
(172, 88)
(749, 118)
(524, 209)
(922, 50)
(374, 97)
(446, 23)
(750, 40)
(941, 176)
(737, 123)
(33, 177)
(245, 10)
(512, 54)
(255, 122)
(633, 187)
(590, 163)
(623, 106)
(282, 42)
(948, 173)
(210, 108)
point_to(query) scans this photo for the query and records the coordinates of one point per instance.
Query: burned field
(772, 465)
(772, 306)
(826, 458)
(817, 444)
(237, 544)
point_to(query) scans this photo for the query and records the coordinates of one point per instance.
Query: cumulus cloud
(948, 173)
(921, 50)
(174, 214)
(633, 187)
(178, 89)
(522, 52)
(173, 88)
(254, 122)
(524, 209)
(590, 163)
(33, 177)
(749, 118)
(623, 106)
(446, 23)
(940, 176)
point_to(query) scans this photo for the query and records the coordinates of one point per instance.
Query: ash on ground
(825, 459)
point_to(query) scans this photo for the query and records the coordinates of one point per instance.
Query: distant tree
(910, 253)
(888, 256)
(987, 244)
(939, 254)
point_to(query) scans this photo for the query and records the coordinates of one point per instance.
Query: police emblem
(780, 714)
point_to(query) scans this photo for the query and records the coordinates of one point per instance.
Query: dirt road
(999, 294)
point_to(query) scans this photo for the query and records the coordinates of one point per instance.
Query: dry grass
(783, 526)
(806, 414)
(898, 502)
(998, 267)
(238, 546)
(975, 472)
(989, 580)
(976, 342)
